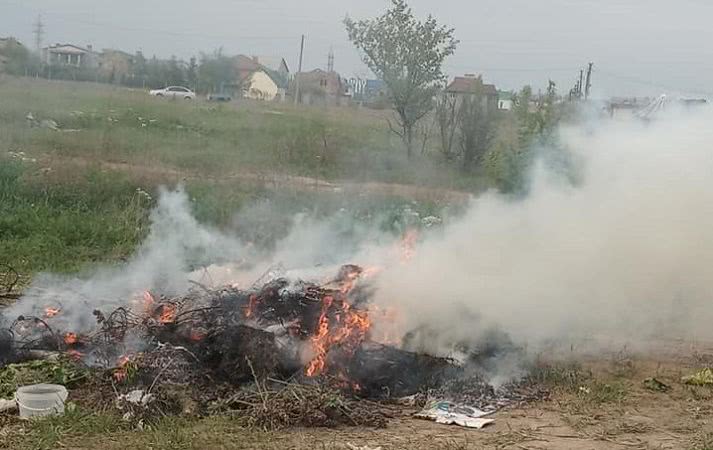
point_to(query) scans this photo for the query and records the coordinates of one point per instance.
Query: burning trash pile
(280, 353)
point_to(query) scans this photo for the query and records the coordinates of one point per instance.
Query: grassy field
(81, 193)
(128, 126)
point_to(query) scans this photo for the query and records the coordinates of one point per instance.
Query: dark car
(219, 97)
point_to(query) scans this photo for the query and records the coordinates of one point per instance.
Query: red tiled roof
(245, 63)
(464, 85)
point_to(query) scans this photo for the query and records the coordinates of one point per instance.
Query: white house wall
(262, 87)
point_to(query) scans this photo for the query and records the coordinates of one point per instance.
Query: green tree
(175, 74)
(216, 72)
(408, 55)
(19, 60)
(139, 71)
(531, 125)
(192, 73)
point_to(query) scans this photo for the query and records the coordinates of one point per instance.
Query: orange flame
(71, 338)
(408, 245)
(252, 304)
(348, 333)
(121, 373)
(319, 341)
(148, 300)
(51, 312)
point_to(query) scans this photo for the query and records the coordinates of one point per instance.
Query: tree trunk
(408, 140)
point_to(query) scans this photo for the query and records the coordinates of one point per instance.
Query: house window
(323, 83)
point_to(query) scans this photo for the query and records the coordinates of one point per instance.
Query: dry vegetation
(594, 406)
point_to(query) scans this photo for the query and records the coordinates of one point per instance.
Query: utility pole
(299, 71)
(38, 31)
(588, 86)
(579, 86)
(330, 61)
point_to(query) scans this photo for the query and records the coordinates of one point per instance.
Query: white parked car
(175, 92)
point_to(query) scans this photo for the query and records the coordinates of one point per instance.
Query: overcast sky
(638, 46)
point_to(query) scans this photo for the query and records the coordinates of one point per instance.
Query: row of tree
(208, 73)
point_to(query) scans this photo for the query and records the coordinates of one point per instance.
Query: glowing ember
(166, 314)
(51, 312)
(197, 335)
(71, 338)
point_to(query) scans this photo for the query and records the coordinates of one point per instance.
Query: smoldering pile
(281, 352)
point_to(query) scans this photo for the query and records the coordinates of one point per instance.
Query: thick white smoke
(175, 241)
(625, 256)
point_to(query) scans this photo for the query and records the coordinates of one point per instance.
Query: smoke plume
(624, 256)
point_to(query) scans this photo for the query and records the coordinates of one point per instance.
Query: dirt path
(267, 180)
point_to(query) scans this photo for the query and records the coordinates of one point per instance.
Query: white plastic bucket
(41, 400)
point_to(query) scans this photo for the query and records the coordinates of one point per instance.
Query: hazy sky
(638, 46)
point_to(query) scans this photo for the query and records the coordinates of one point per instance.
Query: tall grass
(62, 226)
(122, 125)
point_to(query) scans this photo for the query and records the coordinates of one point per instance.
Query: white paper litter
(449, 413)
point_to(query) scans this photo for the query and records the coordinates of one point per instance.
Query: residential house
(275, 64)
(504, 100)
(320, 87)
(115, 65)
(70, 55)
(265, 85)
(8, 46)
(261, 77)
(467, 85)
(244, 67)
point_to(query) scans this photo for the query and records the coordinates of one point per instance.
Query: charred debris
(279, 353)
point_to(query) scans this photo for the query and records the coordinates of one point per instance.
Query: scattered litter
(137, 397)
(351, 446)
(701, 378)
(409, 400)
(653, 384)
(21, 156)
(449, 413)
(7, 406)
(49, 124)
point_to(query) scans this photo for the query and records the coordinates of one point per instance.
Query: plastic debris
(7, 405)
(449, 413)
(137, 397)
(653, 384)
(701, 378)
(351, 446)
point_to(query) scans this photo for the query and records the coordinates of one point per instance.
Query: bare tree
(446, 118)
(476, 115)
(408, 55)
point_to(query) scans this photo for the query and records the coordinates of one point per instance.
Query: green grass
(121, 125)
(59, 226)
(70, 199)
